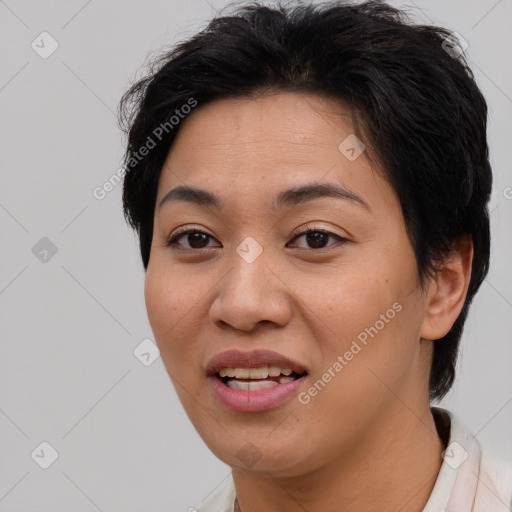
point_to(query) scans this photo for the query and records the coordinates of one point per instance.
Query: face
(328, 281)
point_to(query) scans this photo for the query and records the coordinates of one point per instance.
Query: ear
(447, 291)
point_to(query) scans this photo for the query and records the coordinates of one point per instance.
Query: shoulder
(494, 488)
(478, 482)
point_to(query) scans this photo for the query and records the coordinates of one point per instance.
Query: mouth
(251, 394)
(255, 379)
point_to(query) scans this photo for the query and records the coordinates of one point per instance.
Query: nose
(252, 292)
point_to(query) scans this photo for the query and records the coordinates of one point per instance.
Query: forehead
(271, 142)
(295, 122)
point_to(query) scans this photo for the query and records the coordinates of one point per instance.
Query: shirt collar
(456, 483)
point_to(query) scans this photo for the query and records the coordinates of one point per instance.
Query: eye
(196, 239)
(317, 238)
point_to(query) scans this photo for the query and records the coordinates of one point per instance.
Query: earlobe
(447, 291)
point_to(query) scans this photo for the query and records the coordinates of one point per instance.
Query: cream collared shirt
(467, 481)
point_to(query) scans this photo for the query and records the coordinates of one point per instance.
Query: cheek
(171, 294)
(344, 301)
(367, 315)
(169, 306)
(161, 300)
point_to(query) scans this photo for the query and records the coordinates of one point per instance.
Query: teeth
(274, 371)
(244, 385)
(258, 373)
(251, 386)
(242, 373)
(255, 373)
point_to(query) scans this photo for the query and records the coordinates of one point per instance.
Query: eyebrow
(287, 198)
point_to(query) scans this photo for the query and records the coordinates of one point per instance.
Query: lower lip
(253, 401)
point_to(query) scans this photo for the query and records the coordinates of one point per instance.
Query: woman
(310, 188)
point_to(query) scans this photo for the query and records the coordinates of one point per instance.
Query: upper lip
(252, 359)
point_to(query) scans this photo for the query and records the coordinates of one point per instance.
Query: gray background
(70, 324)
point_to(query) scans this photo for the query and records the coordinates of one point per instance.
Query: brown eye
(196, 239)
(318, 238)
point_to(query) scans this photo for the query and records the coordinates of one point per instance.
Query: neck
(392, 468)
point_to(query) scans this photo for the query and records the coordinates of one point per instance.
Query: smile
(254, 379)
(255, 393)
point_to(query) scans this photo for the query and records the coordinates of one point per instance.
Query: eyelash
(174, 238)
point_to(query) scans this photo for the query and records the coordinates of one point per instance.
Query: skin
(367, 441)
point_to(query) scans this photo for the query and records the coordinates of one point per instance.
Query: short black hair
(413, 99)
